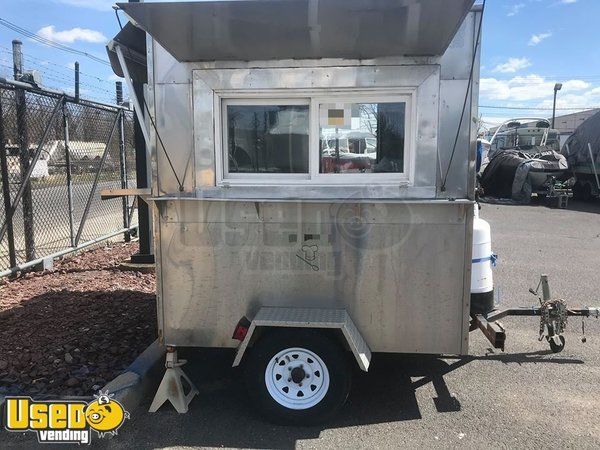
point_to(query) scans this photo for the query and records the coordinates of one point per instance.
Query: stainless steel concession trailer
(313, 170)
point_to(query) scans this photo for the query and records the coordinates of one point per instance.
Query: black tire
(577, 190)
(321, 344)
(582, 191)
(586, 195)
(556, 347)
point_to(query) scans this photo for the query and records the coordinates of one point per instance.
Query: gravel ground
(70, 330)
(524, 398)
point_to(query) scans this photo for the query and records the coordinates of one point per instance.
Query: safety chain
(553, 316)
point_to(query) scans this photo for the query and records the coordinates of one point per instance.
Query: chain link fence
(56, 155)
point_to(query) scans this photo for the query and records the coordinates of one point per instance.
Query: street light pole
(557, 87)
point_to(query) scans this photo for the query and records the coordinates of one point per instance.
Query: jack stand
(545, 289)
(171, 386)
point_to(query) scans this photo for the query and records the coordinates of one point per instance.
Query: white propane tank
(483, 259)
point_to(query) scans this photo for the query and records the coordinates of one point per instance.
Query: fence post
(68, 171)
(123, 161)
(6, 192)
(76, 81)
(21, 103)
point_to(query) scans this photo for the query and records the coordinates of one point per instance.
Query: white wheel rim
(283, 373)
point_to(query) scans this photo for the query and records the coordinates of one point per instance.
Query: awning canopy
(297, 29)
(133, 41)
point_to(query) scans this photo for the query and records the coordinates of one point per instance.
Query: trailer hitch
(553, 315)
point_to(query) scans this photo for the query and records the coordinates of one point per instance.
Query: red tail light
(241, 329)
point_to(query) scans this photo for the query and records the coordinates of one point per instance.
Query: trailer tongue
(553, 314)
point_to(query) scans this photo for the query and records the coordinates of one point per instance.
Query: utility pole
(23, 136)
(145, 255)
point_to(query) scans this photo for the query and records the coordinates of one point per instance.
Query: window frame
(313, 98)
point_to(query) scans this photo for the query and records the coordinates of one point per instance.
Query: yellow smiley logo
(105, 415)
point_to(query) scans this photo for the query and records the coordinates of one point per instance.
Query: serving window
(265, 138)
(357, 138)
(344, 139)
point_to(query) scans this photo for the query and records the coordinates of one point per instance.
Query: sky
(528, 46)
(82, 24)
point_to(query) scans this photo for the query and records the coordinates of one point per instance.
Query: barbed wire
(60, 85)
(63, 78)
(85, 74)
(63, 72)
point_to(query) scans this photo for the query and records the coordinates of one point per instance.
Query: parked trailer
(263, 231)
(582, 150)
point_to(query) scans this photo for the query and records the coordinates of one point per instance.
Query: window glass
(362, 137)
(267, 138)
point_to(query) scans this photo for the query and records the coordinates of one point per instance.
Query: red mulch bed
(70, 330)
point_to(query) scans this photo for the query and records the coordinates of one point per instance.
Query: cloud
(537, 38)
(515, 9)
(536, 92)
(72, 35)
(575, 85)
(568, 2)
(533, 87)
(98, 5)
(512, 65)
(583, 100)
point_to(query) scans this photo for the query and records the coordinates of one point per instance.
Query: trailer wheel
(557, 343)
(582, 191)
(297, 376)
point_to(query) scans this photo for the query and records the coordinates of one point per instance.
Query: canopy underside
(300, 29)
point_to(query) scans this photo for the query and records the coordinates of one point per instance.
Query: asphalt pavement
(526, 397)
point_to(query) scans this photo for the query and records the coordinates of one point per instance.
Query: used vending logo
(65, 422)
